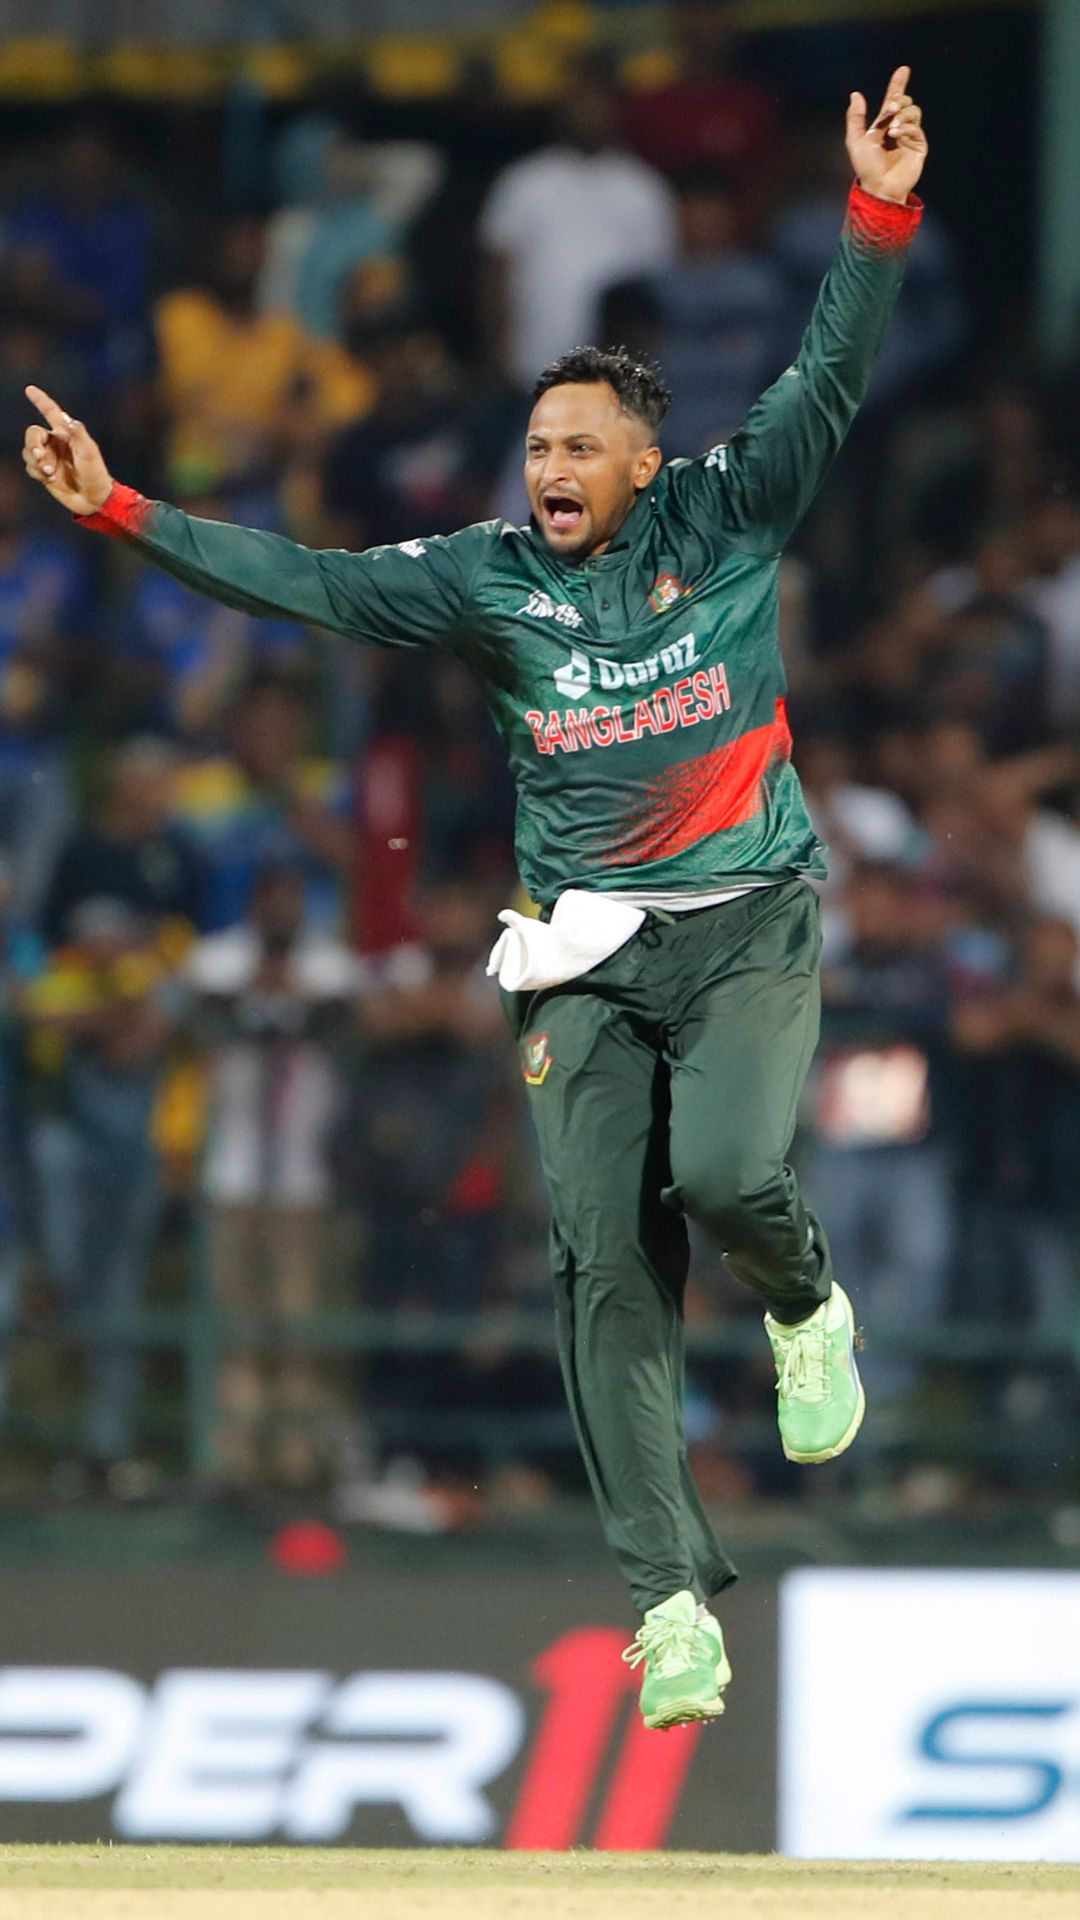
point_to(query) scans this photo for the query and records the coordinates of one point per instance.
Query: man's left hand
(888, 156)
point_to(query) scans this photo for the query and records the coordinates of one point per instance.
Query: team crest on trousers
(537, 1053)
(666, 589)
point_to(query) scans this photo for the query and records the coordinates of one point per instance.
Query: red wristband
(885, 226)
(123, 516)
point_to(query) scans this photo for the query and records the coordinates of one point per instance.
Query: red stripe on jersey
(122, 517)
(701, 797)
(885, 226)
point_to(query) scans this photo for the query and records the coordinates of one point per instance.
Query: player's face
(586, 461)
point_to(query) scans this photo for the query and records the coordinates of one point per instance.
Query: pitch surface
(209, 1883)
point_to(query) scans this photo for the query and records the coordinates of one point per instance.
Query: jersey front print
(640, 692)
(644, 706)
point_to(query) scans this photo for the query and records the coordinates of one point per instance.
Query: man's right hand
(63, 458)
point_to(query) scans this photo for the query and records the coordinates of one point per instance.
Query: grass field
(211, 1883)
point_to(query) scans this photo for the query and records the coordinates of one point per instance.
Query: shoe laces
(666, 1644)
(805, 1372)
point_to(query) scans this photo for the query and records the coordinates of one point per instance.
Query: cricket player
(666, 1002)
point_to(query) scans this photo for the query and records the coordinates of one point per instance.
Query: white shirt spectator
(273, 1108)
(570, 223)
(858, 823)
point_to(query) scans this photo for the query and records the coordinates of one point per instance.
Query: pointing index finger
(49, 409)
(897, 87)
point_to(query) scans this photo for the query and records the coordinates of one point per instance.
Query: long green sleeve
(407, 596)
(772, 468)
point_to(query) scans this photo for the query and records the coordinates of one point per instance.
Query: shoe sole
(682, 1713)
(842, 1445)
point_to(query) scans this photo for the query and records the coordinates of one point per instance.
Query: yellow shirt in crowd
(225, 380)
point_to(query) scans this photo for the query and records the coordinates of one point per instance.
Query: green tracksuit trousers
(664, 1084)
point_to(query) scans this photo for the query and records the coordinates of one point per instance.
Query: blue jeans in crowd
(100, 1207)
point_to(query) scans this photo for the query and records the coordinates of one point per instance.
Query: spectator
(949, 756)
(270, 1000)
(432, 1028)
(1019, 1051)
(426, 456)
(131, 854)
(346, 203)
(32, 353)
(99, 1023)
(231, 376)
(546, 266)
(859, 822)
(267, 795)
(82, 254)
(721, 306)
(45, 615)
(468, 801)
(432, 1127)
(981, 472)
(990, 671)
(481, 130)
(930, 324)
(877, 1163)
(973, 873)
(181, 657)
(707, 113)
(878, 681)
(1051, 592)
(1035, 848)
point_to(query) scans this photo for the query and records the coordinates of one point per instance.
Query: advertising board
(930, 1715)
(365, 1708)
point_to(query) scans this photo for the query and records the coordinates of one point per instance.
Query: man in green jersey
(666, 1004)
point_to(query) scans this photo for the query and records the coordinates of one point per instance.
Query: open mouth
(563, 514)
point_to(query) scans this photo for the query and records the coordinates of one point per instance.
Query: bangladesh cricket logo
(666, 590)
(537, 1060)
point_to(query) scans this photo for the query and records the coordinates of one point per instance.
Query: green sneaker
(709, 1625)
(820, 1399)
(686, 1666)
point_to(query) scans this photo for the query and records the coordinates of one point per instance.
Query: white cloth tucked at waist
(584, 929)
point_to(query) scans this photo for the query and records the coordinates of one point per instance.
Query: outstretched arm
(393, 596)
(773, 467)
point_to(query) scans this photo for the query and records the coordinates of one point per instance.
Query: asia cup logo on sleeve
(537, 1055)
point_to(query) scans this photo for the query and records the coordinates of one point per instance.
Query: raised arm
(394, 596)
(772, 468)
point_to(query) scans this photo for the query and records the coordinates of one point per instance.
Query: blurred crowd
(251, 1071)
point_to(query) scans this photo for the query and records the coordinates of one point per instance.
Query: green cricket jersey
(640, 692)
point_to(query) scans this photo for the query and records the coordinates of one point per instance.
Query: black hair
(637, 384)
